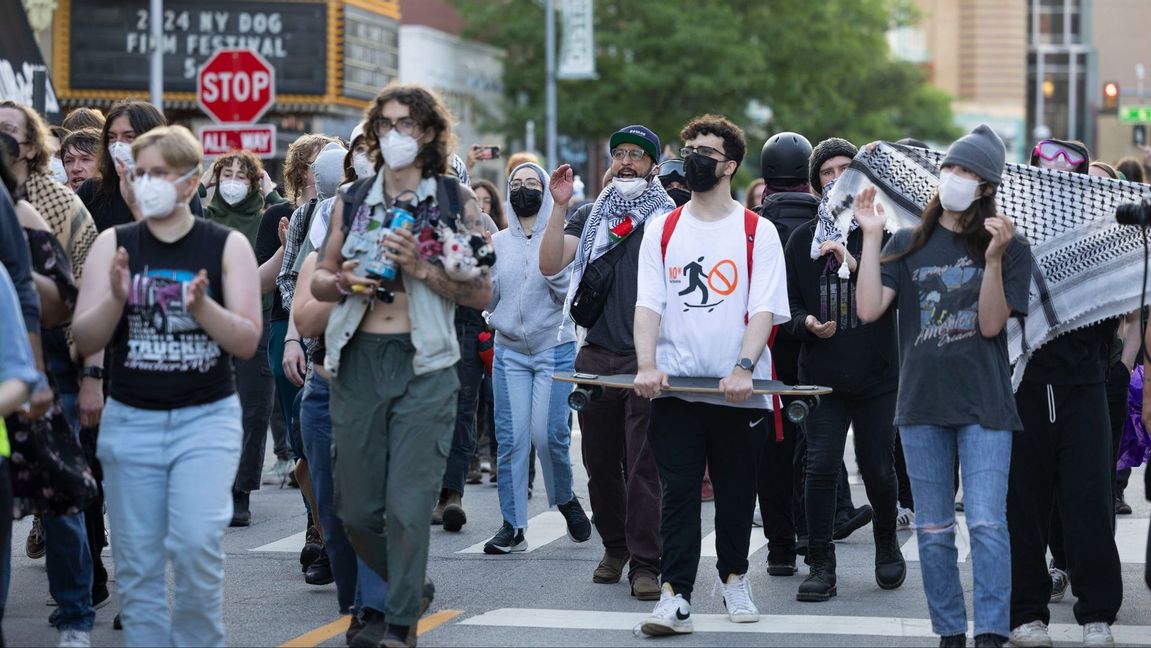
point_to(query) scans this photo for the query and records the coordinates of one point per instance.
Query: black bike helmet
(784, 158)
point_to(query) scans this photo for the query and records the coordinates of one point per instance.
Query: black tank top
(161, 358)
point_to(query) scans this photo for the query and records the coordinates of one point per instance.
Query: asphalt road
(546, 596)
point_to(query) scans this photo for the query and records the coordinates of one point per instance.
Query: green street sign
(1135, 114)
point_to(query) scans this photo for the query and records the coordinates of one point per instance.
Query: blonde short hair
(177, 145)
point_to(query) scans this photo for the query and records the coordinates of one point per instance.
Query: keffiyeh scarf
(1087, 268)
(611, 220)
(825, 226)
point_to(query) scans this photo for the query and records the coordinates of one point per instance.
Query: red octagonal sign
(236, 85)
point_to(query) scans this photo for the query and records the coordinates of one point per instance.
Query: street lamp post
(156, 40)
(550, 17)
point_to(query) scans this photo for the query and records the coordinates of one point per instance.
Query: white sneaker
(74, 639)
(278, 473)
(757, 517)
(672, 615)
(737, 599)
(904, 518)
(1097, 634)
(1033, 633)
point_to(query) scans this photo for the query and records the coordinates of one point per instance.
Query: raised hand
(282, 230)
(120, 276)
(868, 213)
(562, 184)
(1002, 230)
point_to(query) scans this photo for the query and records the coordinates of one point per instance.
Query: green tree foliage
(823, 67)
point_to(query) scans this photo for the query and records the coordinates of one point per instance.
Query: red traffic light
(1111, 90)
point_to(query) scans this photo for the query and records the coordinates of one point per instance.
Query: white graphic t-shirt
(701, 291)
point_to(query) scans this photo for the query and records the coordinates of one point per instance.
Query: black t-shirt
(613, 331)
(161, 359)
(950, 375)
(267, 244)
(110, 210)
(1079, 357)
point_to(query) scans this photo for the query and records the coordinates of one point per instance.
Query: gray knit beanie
(980, 152)
(824, 151)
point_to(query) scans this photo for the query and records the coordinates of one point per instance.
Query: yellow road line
(339, 626)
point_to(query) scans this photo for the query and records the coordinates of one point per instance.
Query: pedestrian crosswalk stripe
(542, 530)
(291, 544)
(707, 546)
(787, 624)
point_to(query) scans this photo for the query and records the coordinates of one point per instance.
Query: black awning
(20, 58)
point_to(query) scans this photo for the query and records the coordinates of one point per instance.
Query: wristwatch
(745, 363)
(93, 372)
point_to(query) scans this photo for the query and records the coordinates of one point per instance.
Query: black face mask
(700, 172)
(526, 202)
(679, 195)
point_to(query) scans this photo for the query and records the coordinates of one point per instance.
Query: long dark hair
(143, 117)
(972, 234)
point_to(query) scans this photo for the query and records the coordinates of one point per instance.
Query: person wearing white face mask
(172, 296)
(959, 276)
(242, 192)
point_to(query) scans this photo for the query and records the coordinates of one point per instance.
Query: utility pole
(550, 17)
(156, 40)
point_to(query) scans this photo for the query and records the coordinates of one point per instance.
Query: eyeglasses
(635, 154)
(1050, 150)
(530, 183)
(405, 125)
(705, 151)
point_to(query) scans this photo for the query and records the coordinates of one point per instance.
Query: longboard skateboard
(591, 386)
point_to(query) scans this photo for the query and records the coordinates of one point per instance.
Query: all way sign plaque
(260, 139)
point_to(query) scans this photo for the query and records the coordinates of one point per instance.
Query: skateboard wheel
(798, 410)
(581, 397)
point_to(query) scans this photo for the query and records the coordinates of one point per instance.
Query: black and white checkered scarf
(1087, 267)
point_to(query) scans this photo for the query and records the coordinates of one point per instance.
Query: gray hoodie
(526, 309)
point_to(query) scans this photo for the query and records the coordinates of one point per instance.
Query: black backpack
(789, 211)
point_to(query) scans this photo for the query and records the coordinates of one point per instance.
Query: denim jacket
(432, 316)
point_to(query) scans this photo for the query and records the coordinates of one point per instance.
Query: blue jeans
(985, 458)
(532, 408)
(316, 433)
(168, 482)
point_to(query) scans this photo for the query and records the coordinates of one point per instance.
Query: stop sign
(236, 85)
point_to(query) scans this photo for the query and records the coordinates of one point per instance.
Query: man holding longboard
(720, 331)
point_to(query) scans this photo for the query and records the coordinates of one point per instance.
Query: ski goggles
(1051, 150)
(672, 171)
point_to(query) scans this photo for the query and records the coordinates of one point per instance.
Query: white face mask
(58, 171)
(363, 165)
(399, 151)
(156, 197)
(629, 188)
(121, 151)
(956, 193)
(233, 191)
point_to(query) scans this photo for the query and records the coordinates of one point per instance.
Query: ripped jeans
(985, 458)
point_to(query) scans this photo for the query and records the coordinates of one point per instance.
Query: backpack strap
(357, 193)
(668, 228)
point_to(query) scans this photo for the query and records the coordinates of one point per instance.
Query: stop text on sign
(236, 86)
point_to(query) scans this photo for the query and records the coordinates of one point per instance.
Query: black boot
(320, 571)
(241, 516)
(819, 586)
(890, 568)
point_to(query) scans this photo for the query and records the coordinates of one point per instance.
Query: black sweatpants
(779, 485)
(685, 438)
(1063, 454)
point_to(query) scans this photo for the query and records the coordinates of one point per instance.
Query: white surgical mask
(233, 191)
(121, 151)
(629, 188)
(156, 197)
(58, 171)
(399, 151)
(363, 165)
(956, 193)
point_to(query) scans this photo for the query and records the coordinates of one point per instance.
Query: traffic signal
(1111, 97)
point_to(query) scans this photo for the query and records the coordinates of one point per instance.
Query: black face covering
(700, 172)
(526, 202)
(679, 195)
